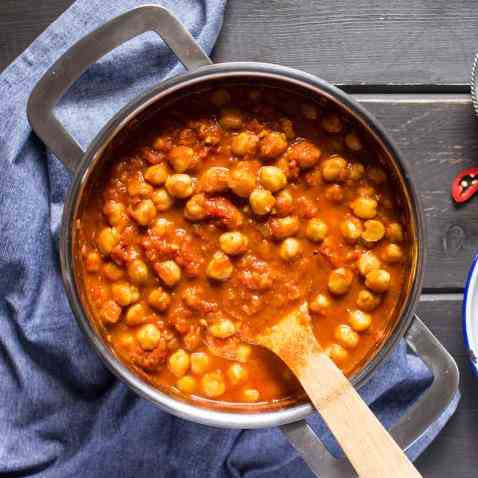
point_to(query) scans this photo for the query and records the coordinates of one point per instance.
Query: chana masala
(226, 210)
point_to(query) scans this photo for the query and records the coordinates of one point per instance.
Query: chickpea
(136, 314)
(161, 226)
(351, 229)
(340, 281)
(145, 212)
(220, 267)
(357, 170)
(221, 97)
(126, 341)
(359, 321)
(273, 145)
(261, 201)
(287, 127)
(212, 384)
(309, 111)
(162, 200)
(243, 353)
(378, 280)
(187, 384)
(290, 249)
(110, 312)
(112, 271)
(366, 191)
(222, 329)
(352, 141)
(316, 230)
(138, 271)
(124, 293)
(394, 232)
(195, 208)
(367, 262)
(376, 175)
(334, 169)
(244, 144)
(214, 180)
(337, 353)
(393, 253)
(138, 187)
(305, 154)
(169, 272)
(242, 179)
(231, 118)
(107, 239)
(364, 207)
(334, 193)
(148, 336)
(157, 174)
(250, 395)
(192, 340)
(181, 158)
(178, 363)
(374, 231)
(346, 336)
(332, 123)
(319, 304)
(93, 262)
(200, 362)
(237, 373)
(272, 178)
(159, 299)
(284, 227)
(116, 213)
(233, 243)
(367, 301)
(180, 185)
(284, 203)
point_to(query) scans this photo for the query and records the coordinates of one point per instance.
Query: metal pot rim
(233, 70)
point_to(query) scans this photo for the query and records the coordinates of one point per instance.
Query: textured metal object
(68, 68)
(474, 84)
(56, 81)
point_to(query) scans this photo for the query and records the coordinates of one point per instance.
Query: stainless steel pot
(202, 73)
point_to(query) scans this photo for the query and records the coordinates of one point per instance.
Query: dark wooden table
(409, 63)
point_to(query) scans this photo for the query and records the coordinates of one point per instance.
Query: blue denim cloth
(62, 413)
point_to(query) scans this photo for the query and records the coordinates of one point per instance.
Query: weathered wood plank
(22, 21)
(453, 454)
(438, 137)
(356, 42)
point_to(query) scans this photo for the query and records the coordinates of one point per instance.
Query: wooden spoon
(369, 447)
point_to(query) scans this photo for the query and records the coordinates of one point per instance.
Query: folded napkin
(62, 413)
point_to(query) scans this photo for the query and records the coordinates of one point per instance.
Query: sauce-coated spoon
(369, 447)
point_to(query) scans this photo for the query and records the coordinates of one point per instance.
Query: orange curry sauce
(232, 207)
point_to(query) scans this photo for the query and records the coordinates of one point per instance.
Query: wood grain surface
(352, 42)
(408, 44)
(370, 46)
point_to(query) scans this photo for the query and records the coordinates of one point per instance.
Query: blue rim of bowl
(472, 354)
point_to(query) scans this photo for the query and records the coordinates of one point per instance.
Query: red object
(464, 185)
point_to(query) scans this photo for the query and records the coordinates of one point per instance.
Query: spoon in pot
(369, 447)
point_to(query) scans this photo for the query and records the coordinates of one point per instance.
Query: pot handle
(411, 427)
(56, 81)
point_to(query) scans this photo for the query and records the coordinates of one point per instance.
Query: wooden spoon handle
(369, 447)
